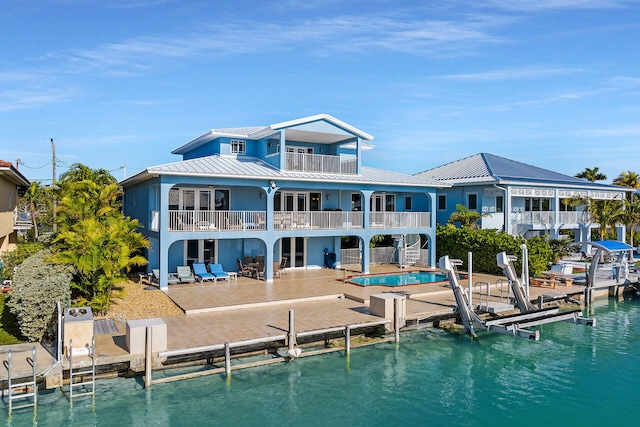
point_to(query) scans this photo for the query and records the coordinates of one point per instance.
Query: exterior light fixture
(272, 184)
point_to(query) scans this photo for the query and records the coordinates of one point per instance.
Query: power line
(21, 163)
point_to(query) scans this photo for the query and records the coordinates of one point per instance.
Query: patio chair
(184, 275)
(155, 277)
(218, 272)
(243, 270)
(276, 269)
(200, 270)
(259, 272)
(283, 265)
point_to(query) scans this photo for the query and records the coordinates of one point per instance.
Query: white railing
(22, 219)
(574, 217)
(400, 220)
(379, 256)
(549, 217)
(196, 220)
(546, 217)
(187, 220)
(317, 220)
(319, 163)
(350, 256)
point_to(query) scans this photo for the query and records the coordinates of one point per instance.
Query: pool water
(573, 376)
(399, 279)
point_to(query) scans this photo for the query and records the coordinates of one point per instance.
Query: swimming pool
(399, 279)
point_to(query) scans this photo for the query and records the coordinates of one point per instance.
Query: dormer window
(238, 146)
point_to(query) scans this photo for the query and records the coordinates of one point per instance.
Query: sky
(119, 84)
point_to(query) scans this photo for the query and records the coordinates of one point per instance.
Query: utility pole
(53, 185)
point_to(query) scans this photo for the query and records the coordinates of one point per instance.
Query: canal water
(573, 376)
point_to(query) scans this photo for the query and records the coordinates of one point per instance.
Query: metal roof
(489, 168)
(295, 129)
(217, 166)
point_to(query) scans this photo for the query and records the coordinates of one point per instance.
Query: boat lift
(516, 324)
(598, 278)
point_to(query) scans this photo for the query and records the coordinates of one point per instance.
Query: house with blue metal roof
(518, 198)
(290, 190)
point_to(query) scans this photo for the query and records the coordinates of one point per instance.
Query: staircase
(410, 252)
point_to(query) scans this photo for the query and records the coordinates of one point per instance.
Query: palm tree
(33, 195)
(592, 175)
(102, 252)
(465, 217)
(631, 215)
(607, 213)
(628, 179)
(94, 236)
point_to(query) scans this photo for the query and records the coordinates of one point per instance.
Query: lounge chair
(243, 270)
(155, 277)
(200, 270)
(218, 272)
(184, 275)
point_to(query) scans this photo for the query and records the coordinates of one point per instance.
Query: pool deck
(248, 309)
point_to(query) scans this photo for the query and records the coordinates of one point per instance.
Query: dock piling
(148, 358)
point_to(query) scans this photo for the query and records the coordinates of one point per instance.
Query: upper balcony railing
(188, 220)
(216, 221)
(400, 220)
(549, 217)
(319, 163)
(317, 220)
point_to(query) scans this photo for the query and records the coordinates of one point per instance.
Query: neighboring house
(289, 190)
(11, 181)
(518, 198)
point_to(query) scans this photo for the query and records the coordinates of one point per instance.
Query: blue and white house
(518, 198)
(288, 190)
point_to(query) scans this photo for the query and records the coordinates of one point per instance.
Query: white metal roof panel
(254, 168)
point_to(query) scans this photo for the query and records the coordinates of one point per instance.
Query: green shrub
(15, 257)
(37, 285)
(486, 244)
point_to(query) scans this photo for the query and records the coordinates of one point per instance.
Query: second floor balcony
(319, 163)
(221, 221)
(549, 217)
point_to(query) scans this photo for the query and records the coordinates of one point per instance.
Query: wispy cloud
(532, 72)
(11, 100)
(544, 5)
(322, 36)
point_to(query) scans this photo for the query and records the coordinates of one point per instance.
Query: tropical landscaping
(79, 249)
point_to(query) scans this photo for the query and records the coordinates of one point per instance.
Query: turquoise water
(573, 376)
(402, 279)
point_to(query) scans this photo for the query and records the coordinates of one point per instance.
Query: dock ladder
(23, 390)
(77, 376)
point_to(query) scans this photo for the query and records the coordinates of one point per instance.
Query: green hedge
(486, 244)
(37, 286)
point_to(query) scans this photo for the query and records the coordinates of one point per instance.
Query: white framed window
(238, 146)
